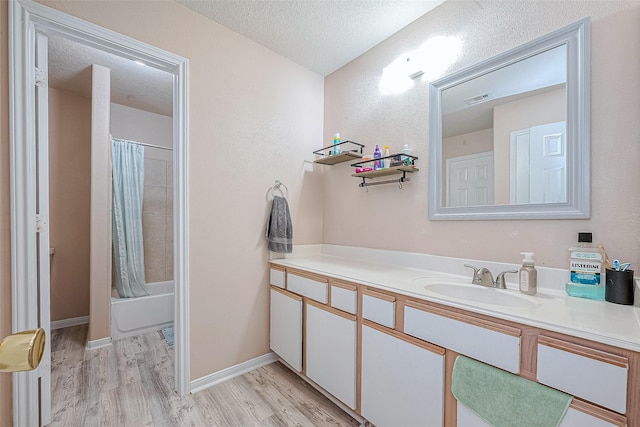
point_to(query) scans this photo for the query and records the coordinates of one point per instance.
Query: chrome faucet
(482, 276)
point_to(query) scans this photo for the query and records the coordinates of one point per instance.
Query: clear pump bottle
(528, 276)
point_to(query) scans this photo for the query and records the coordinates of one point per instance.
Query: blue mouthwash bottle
(585, 267)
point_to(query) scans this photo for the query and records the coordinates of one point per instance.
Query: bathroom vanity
(381, 340)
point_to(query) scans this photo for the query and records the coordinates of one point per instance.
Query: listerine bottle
(585, 268)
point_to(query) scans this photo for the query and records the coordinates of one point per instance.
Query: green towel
(506, 400)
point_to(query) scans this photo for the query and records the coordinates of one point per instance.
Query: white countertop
(554, 310)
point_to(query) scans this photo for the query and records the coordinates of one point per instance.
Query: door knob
(22, 351)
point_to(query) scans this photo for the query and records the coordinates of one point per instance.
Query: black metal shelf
(330, 159)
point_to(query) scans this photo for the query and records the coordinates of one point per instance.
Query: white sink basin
(461, 289)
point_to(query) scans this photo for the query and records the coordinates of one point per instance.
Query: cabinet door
(331, 351)
(276, 277)
(573, 418)
(285, 333)
(576, 418)
(489, 342)
(402, 383)
(591, 374)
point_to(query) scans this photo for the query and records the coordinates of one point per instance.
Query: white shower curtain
(128, 247)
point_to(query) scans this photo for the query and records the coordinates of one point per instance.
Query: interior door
(470, 180)
(539, 164)
(42, 223)
(549, 163)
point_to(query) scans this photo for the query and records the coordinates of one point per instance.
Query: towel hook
(277, 186)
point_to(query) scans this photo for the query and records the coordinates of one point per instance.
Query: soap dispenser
(528, 276)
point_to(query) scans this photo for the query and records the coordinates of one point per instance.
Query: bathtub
(135, 316)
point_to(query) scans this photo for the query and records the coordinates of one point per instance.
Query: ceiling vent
(477, 99)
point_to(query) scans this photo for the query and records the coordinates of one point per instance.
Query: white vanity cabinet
(402, 380)
(331, 345)
(285, 332)
(388, 357)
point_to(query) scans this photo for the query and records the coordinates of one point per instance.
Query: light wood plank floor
(131, 384)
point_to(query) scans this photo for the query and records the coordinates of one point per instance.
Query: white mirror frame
(576, 37)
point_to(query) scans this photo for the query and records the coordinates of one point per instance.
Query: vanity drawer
(591, 374)
(488, 342)
(344, 296)
(379, 308)
(276, 277)
(308, 285)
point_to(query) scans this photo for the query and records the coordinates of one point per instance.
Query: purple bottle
(377, 164)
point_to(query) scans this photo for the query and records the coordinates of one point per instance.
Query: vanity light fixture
(414, 68)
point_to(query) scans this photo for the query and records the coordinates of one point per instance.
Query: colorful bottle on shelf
(386, 163)
(406, 150)
(336, 142)
(377, 163)
(585, 266)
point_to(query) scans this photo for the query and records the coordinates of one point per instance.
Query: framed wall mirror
(510, 136)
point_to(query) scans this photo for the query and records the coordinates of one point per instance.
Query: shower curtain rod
(143, 143)
(152, 146)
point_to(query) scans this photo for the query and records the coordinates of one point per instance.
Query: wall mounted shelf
(401, 169)
(347, 153)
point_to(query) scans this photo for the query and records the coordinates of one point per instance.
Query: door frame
(25, 19)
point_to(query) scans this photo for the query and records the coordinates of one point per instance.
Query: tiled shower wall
(157, 220)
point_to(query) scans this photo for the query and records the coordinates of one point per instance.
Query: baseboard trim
(232, 372)
(66, 323)
(96, 344)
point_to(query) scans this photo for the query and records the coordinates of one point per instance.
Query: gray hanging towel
(279, 227)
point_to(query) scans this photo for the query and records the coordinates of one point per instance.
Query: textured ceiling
(321, 35)
(132, 84)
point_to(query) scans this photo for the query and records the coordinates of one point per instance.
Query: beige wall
(254, 117)
(355, 107)
(69, 195)
(547, 107)
(5, 218)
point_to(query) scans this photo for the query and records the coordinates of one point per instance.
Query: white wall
(389, 218)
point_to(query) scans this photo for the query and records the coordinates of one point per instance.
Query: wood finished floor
(131, 384)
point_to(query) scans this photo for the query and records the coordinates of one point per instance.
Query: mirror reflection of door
(538, 167)
(470, 180)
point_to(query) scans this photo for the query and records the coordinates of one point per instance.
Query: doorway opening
(30, 284)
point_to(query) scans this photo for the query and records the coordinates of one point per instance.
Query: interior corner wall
(69, 202)
(100, 228)
(386, 217)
